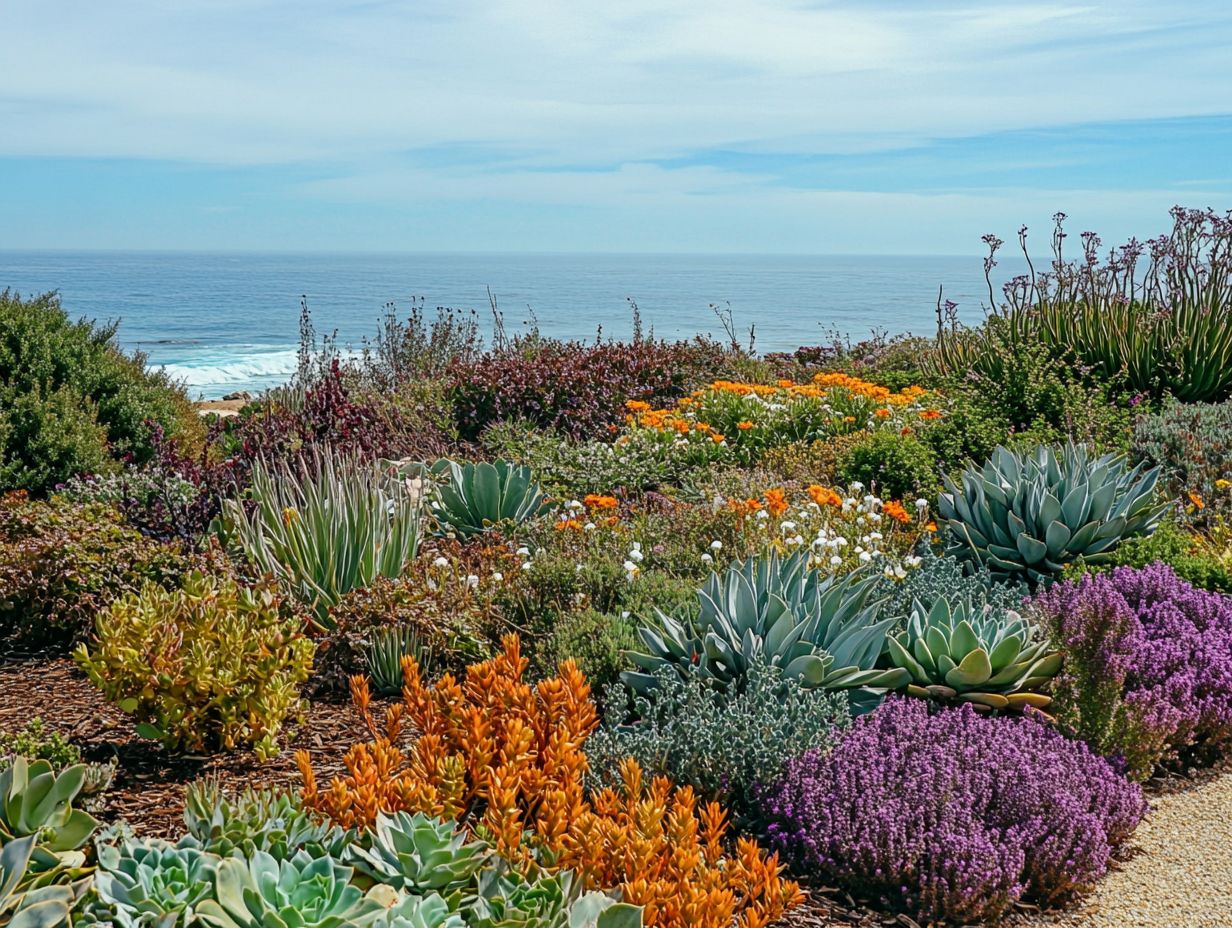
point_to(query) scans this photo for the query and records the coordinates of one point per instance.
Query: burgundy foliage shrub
(575, 388)
(1148, 668)
(950, 815)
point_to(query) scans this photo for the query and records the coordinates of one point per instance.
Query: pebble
(1180, 874)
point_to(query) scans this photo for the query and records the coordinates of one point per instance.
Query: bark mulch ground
(149, 784)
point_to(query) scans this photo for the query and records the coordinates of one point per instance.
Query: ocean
(228, 322)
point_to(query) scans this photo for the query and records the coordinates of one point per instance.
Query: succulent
(388, 646)
(475, 497)
(23, 905)
(302, 892)
(429, 911)
(1024, 516)
(266, 820)
(548, 902)
(822, 630)
(968, 652)
(34, 800)
(152, 883)
(419, 853)
(331, 526)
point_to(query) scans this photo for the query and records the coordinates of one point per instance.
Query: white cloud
(586, 82)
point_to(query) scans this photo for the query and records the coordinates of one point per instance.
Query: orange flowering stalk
(824, 496)
(506, 758)
(896, 511)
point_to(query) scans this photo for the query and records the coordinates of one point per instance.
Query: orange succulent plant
(505, 757)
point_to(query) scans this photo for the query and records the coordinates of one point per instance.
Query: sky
(871, 126)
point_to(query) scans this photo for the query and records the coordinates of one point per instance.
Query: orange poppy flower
(1197, 500)
(882, 413)
(776, 502)
(596, 501)
(895, 511)
(824, 496)
(930, 414)
(744, 426)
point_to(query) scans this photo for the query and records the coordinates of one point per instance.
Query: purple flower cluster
(1148, 670)
(950, 815)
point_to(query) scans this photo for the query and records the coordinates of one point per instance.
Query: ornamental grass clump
(1148, 668)
(948, 815)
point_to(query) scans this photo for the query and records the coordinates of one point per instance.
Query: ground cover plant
(629, 629)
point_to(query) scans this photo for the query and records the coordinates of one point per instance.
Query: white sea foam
(242, 367)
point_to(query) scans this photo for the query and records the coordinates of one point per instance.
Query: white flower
(630, 567)
(921, 504)
(707, 559)
(787, 526)
(526, 565)
(523, 551)
(762, 514)
(472, 581)
(589, 526)
(574, 504)
(836, 560)
(865, 557)
(857, 485)
(912, 561)
(625, 614)
(441, 562)
(498, 576)
(636, 555)
(716, 545)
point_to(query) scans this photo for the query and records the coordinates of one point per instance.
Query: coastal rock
(240, 395)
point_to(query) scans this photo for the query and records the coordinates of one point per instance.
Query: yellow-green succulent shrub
(210, 665)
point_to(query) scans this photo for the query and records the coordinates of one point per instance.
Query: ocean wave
(240, 368)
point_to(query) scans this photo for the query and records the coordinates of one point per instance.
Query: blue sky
(710, 126)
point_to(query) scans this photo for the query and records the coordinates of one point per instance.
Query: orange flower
(882, 413)
(744, 426)
(849, 418)
(637, 406)
(1197, 500)
(931, 527)
(776, 502)
(905, 431)
(567, 524)
(824, 496)
(895, 511)
(718, 439)
(930, 414)
(595, 501)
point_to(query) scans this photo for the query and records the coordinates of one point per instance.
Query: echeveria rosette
(972, 653)
(1024, 516)
(1148, 670)
(151, 883)
(419, 854)
(301, 892)
(950, 815)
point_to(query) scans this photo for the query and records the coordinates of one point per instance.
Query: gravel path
(1181, 873)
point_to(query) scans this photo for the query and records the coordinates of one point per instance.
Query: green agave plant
(548, 902)
(266, 820)
(302, 892)
(330, 526)
(969, 653)
(23, 902)
(151, 884)
(475, 497)
(1026, 515)
(821, 630)
(420, 854)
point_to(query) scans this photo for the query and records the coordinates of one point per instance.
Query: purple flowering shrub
(951, 815)
(1148, 668)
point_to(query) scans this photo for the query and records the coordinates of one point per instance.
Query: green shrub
(1192, 558)
(446, 615)
(894, 466)
(595, 641)
(721, 744)
(34, 742)
(71, 401)
(810, 462)
(60, 563)
(1192, 446)
(211, 665)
